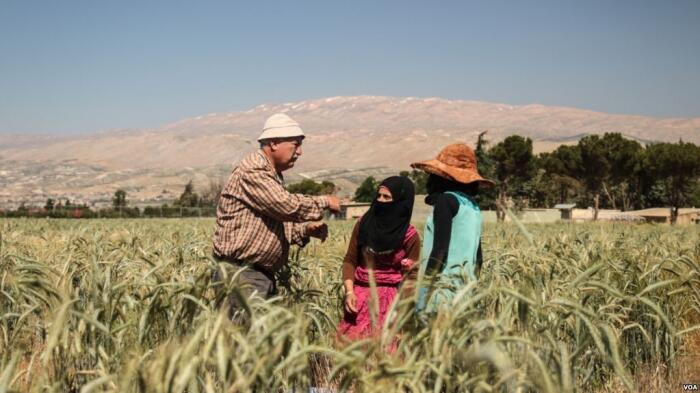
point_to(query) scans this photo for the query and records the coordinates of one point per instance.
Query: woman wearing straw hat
(451, 253)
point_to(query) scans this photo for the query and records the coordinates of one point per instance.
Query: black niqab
(384, 226)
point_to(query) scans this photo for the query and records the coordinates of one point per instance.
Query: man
(257, 219)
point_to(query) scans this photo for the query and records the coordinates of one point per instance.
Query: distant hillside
(344, 133)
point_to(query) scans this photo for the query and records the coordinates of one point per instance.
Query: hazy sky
(82, 66)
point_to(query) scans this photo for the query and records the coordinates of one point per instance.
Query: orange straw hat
(455, 162)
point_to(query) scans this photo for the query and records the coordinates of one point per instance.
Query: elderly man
(257, 219)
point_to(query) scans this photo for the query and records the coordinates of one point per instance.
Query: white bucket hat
(280, 125)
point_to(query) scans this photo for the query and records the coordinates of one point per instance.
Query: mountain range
(348, 138)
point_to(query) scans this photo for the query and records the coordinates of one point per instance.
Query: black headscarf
(438, 184)
(384, 226)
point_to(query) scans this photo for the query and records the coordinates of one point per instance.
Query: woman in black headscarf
(383, 247)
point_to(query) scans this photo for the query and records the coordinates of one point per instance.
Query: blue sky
(84, 66)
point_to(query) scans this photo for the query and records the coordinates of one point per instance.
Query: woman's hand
(350, 302)
(407, 264)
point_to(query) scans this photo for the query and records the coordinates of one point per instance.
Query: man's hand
(333, 203)
(317, 229)
(351, 302)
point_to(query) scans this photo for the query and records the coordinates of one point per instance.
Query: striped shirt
(257, 219)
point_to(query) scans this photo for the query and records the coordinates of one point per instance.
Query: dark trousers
(242, 284)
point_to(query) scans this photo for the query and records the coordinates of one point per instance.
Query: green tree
(310, 187)
(595, 167)
(119, 199)
(623, 156)
(419, 179)
(694, 199)
(210, 195)
(562, 169)
(367, 191)
(676, 167)
(188, 198)
(514, 165)
(543, 190)
(306, 187)
(601, 166)
(487, 195)
(327, 187)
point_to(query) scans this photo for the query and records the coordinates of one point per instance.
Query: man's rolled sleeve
(322, 201)
(262, 192)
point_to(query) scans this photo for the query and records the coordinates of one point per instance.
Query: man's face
(285, 153)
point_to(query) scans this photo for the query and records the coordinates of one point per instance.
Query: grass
(128, 306)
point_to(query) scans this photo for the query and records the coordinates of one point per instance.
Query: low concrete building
(628, 218)
(530, 216)
(662, 215)
(566, 210)
(353, 210)
(582, 215)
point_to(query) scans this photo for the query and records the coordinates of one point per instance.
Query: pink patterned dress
(388, 274)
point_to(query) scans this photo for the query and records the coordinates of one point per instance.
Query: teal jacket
(460, 265)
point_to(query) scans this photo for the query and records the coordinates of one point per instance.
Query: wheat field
(129, 306)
